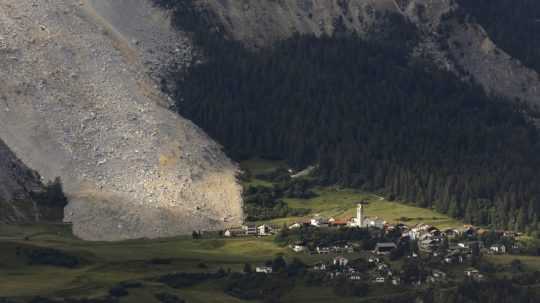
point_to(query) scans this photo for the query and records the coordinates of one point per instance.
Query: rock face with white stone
(76, 102)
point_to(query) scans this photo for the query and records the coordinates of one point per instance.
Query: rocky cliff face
(17, 183)
(464, 48)
(76, 102)
(260, 23)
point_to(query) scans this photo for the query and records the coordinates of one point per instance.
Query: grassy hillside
(340, 203)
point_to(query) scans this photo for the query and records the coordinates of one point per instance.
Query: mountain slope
(455, 43)
(76, 103)
(22, 195)
(373, 112)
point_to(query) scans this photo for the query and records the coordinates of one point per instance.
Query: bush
(52, 257)
(168, 298)
(347, 288)
(118, 291)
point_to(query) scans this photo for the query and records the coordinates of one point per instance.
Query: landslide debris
(77, 103)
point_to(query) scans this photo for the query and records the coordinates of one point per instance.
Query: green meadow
(340, 203)
(109, 263)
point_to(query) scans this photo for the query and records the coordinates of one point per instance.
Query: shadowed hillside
(23, 198)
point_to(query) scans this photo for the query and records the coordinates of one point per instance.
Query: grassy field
(530, 262)
(109, 263)
(340, 203)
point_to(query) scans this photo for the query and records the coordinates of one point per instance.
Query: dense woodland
(371, 117)
(513, 25)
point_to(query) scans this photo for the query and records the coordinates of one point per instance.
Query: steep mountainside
(21, 191)
(455, 43)
(76, 103)
(372, 110)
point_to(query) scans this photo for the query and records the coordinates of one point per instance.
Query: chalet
(469, 231)
(470, 272)
(451, 233)
(429, 244)
(340, 261)
(419, 230)
(498, 249)
(471, 244)
(338, 223)
(355, 277)
(402, 227)
(374, 222)
(450, 259)
(434, 231)
(264, 230)
(322, 250)
(234, 232)
(474, 274)
(298, 248)
(433, 279)
(295, 225)
(510, 234)
(438, 274)
(263, 269)
(384, 248)
(319, 266)
(481, 231)
(250, 230)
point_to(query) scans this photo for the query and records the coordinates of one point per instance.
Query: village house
(319, 266)
(437, 276)
(469, 245)
(298, 248)
(469, 231)
(384, 248)
(451, 233)
(338, 223)
(250, 230)
(473, 274)
(264, 230)
(429, 244)
(234, 232)
(418, 230)
(354, 277)
(374, 222)
(322, 250)
(263, 269)
(340, 261)
(295, 225)
(498, 248)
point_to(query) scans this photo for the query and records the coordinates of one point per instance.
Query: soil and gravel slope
(76, 102)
